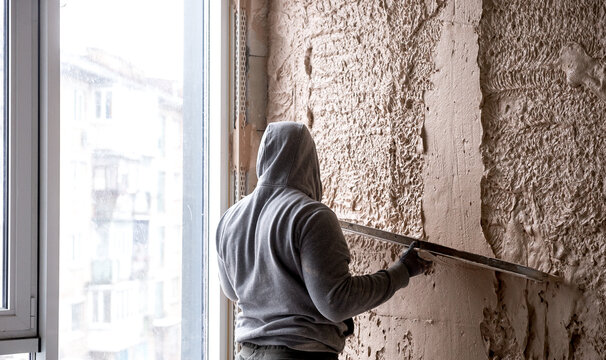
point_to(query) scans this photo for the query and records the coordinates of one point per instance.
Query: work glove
(413, 262)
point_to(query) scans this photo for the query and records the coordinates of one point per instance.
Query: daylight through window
(126, 158)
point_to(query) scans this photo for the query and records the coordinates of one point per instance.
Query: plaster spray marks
(355, 72)
(544, 149)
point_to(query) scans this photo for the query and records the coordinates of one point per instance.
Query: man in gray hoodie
(282, 256)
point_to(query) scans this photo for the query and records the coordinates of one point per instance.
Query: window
(107, 305)
(108, 105)
(19, 194)
(103, 104)
(97, 104)
(137, 208)
(78, 105)
(160, 123)
(103, 101)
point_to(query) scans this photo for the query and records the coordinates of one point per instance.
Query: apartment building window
(78, 105)
(103, 104)
(107, 306)
(143, 198)
(101, 305)
(108, 104)
(18, 178)
(98, 104)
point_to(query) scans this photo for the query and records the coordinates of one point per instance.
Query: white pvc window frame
(219, 331)
(19, 319)
(40, 30)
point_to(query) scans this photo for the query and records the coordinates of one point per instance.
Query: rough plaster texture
(478, 125)
(544, 189)
(356, 73)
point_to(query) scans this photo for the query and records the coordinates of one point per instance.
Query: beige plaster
(475, 124)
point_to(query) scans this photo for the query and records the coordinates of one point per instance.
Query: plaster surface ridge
(581, 69)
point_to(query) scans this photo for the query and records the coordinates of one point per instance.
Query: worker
(283, 258)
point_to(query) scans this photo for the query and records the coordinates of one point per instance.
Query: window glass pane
(126, 107)
(3, 151)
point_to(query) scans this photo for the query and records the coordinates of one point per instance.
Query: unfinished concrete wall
(477, 125)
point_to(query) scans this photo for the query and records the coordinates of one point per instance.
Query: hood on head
(287, 157)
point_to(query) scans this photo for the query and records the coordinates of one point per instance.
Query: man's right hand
(413, 262)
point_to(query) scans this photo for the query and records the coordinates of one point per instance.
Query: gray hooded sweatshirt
(283, 258)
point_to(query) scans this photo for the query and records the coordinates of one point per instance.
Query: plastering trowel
(435, 251)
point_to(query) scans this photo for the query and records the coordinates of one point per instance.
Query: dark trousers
(274, 352)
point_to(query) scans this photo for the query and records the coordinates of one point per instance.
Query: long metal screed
(445, 251)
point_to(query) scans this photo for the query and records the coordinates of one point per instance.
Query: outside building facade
(121, 198)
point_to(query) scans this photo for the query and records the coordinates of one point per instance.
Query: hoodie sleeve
(228, 289)
(325, 265)
(226, 284)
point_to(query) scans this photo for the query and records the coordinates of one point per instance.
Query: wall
(544, 189)
(475, 124)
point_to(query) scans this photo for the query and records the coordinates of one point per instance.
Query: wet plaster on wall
(452, 173)
(360, 74)
(355, 72)
(544, 188)
(453, 132)
(430, 117)
(434, 318)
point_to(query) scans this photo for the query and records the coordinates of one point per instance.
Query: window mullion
(19, 319)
